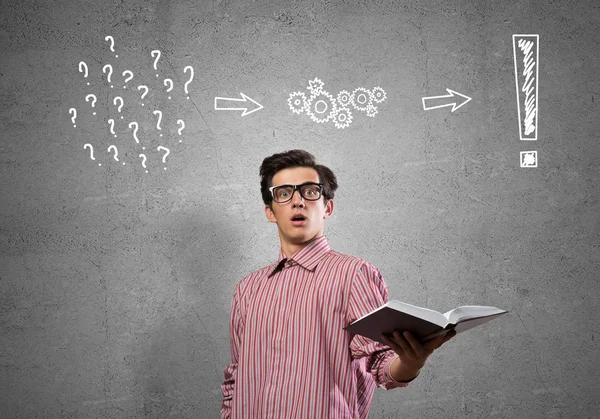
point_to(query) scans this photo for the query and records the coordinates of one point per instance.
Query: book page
(463, 313)
(421, 312)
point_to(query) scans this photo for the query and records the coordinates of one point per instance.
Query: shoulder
(356, 264)
(257, 275)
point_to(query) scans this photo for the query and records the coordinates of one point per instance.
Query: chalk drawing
(436, 102)
(185, 86)
(94, 99)
(526, 59)
(220, 103)
(164, 159)
(111, 122)
(157, 54)
(112, 43)
(127, 78)
(91, 152)
(110, 71)
(529, 159)
(74, 116)
(84, 70)
(321, 106)
(113, 147)
(119, 107)
(168, 82)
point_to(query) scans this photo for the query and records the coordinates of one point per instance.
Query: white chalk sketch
(143, 156)
(74, 116)
(145, 91)
(529, 159)
(185, 86)
(221, 103)
(157, 54)
(112, 43)
(94, 99)
(164, 159)
(84, 70)
(111, 122)
(119, 107)
(526, 59)
(113, 147)
(127, 78)
(168, 82)
(436, 102)
(110, 71)
(321, 106)
(91, 152)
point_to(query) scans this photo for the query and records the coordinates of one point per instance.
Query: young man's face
(314, 212)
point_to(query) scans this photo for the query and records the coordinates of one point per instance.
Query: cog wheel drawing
(343, 98)
(361, 98)
(297, 102)
(371, 111)
(321, 107)
(378, 94)
(342, 118)
(315, 86)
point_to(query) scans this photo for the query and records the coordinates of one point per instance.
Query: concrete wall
(116, 280)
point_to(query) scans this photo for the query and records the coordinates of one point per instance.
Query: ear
(328, 208)
(270, 214)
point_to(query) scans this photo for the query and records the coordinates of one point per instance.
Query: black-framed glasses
(310, 191)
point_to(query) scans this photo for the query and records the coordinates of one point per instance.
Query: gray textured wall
(116, 284)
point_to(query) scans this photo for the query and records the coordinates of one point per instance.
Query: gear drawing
(342, 118)
(297, 102)
(321, 107)
(315, 86)
(371, 111)
(361, 98)
(343, 98)
(378, 94)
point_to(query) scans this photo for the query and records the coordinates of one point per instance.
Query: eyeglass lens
(308, 192)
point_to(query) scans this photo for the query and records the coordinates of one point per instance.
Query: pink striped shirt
(290, 356)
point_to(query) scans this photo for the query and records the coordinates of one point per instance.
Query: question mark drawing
(118, 99)
(110, 71)
(170, 82)
(91, 152)
(112, 43)
(74, 116)
(87, 99)
(143, 161)
(157, 53)
(164, 159)
(180, 121)
(145, 92)
(128, 78)
(85, 67)
(185, 87)
(135, 130)
(116, 152)
(159, 119)
(111, 122)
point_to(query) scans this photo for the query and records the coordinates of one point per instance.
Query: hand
(411, 352)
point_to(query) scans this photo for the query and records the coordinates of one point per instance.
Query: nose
(297, 198)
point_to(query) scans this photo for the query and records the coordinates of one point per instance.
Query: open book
(422, 322)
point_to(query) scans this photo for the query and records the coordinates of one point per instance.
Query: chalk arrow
(220, 102)
(443, 101)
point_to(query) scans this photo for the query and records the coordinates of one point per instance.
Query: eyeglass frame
(297, 188)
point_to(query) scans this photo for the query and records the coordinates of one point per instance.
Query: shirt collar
(309, 256)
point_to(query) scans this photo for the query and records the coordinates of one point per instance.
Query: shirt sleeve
(236, 331)
(368, 292)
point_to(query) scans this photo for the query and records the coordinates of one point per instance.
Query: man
(290, 356)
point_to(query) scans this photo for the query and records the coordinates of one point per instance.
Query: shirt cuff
(388, 372)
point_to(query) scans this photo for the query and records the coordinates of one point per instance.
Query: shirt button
(290, 263)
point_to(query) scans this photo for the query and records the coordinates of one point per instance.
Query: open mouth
(298, 220)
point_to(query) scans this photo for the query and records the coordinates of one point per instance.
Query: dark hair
(289, 159)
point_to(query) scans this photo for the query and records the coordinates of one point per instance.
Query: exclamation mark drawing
(526, 57)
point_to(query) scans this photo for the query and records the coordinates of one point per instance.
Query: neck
(289, 249)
